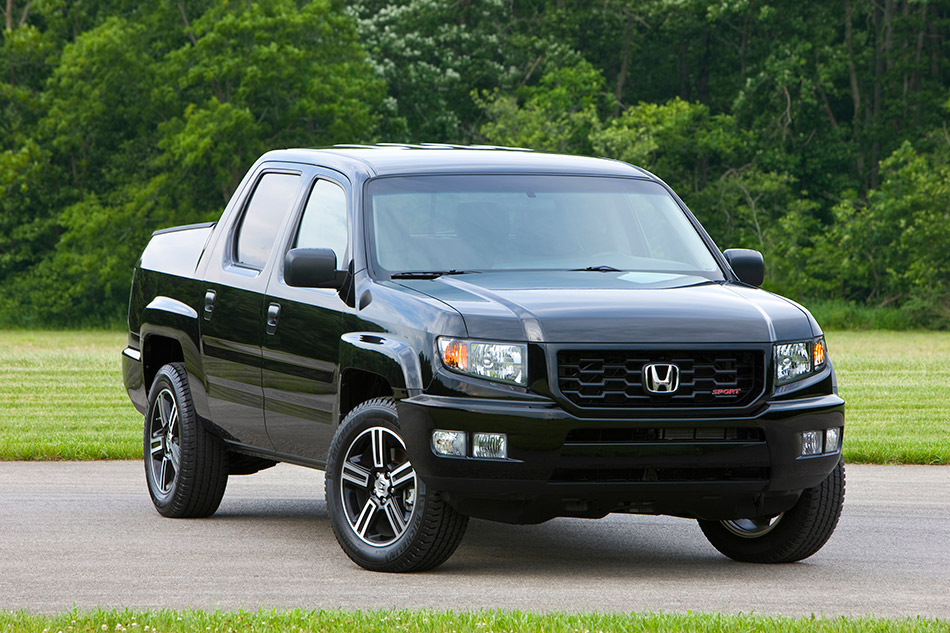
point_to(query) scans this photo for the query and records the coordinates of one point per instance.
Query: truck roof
(392, 159)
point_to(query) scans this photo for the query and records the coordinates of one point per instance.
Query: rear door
(302, 338)
(233, 318)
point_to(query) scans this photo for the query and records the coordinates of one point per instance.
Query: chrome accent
(661, 377)
(167, 304)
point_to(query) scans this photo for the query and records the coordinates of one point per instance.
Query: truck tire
(791, 536)
(383, 516)
(186, 467)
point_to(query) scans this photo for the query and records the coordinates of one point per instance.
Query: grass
(896, 387)
(161, 621)
(61, 396)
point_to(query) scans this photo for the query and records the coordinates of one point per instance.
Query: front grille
(707, 378)
(688, 435)
(582, 475)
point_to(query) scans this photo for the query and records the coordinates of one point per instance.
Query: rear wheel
(787, 537)
(383, 516)
(186, 467)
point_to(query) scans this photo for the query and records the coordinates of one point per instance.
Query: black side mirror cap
(747, 264)
(310, 268)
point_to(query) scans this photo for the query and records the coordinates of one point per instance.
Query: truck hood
(615, 307)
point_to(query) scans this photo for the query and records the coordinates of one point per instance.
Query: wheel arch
(169, 334)
(358, 386)
(376, 365)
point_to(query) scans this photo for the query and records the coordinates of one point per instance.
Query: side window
(270, 203)
(324, 220)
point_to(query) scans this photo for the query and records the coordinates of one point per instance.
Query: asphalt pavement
(85, 534)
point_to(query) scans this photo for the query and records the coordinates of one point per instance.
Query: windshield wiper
(428, 274)
(598, 269)
(705, 282)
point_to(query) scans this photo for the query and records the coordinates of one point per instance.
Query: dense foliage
(815, 132)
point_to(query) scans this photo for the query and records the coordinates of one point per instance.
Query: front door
(302, 339)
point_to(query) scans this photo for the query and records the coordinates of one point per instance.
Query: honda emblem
(661, 378)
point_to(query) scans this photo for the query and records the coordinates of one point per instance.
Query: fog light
(811, 443)
(449, 443)
(490, 445)
(833, 440)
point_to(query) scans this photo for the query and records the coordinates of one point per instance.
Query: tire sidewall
(787, 541)
(374, 413)
(172, 378)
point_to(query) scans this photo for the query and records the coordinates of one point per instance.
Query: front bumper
(562, 465)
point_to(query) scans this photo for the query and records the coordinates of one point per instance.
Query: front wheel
(791, 536)
(383, 516)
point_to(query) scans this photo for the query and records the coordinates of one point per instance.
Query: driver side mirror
(310, 268)
(747, 264)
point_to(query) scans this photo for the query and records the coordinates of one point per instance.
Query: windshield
(449, 224)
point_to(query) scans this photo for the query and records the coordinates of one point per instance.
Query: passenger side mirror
(310, 268)
(747, 264)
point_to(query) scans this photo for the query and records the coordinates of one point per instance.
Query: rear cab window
(264, 215)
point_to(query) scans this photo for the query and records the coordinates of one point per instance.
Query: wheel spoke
(156, 445)
(396, 520)
(355, 474)
(163, 476)
(164, 410)
(173, 419)
(402, 475)
(379, 451)
(362, 523)
(175, 451)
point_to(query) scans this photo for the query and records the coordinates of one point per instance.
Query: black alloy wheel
(186, 467)
(163, 433)
(378, 487)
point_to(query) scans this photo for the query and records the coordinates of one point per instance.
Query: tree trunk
(702, 80)
(905, 46)
(855, 87)
(883, 34)
(684, 71)
(8, 15)
(624, 61)
(745, 42)
(915, 76)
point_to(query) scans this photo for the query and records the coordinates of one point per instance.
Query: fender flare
(172, 319)
(392, 358)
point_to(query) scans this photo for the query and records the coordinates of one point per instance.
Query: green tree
(892, 245)
(558, 115)
(435, 53)
(151, 117)
(713, 164)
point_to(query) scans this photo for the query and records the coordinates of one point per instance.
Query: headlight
(794, 361)
(504, 362)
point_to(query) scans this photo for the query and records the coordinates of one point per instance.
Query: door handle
(273, 314)
(209, 303)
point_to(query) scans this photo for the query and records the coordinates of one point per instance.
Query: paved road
(85, 534)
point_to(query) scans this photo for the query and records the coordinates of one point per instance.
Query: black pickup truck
(481, 332)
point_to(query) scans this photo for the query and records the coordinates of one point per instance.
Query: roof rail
(430, 146)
